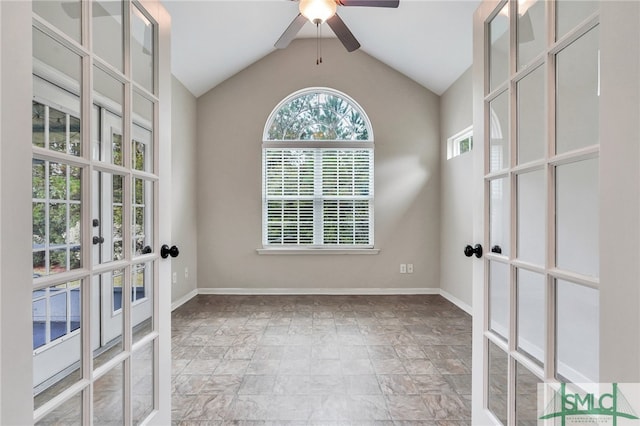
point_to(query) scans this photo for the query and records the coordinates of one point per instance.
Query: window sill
(317, 251)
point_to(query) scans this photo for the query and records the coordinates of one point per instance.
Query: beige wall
(230, 123)
(457, 203)
(183, 163)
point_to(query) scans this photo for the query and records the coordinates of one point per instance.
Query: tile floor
(321, 360)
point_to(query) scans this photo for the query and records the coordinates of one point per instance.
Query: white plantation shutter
(318, 193)
(317, 197)
(347, 195)
(289, 190)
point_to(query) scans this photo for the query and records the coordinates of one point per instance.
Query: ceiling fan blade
(370, 3)
(344, 34)
(290, 33)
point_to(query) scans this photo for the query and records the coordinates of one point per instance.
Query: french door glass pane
(142, 299)
(142, 216)
(142, 141)
(62, 14)
(108, 36)
(577, 332)
(142, 157)
(499, 133)
(69, 413)
(38, 132)
(140, 277)
(109, 94)
(499, 298)
(531, 314)
(498, 367)
(531, 30)
(499, 48)
(142, 52)
(142, 365)
(530, 222)
(499, 216)
(56, 214)
(107, 302)
(56, 129)
(577, 200)
(108, 397)
(577, 93)
(570, 13)
(107, 234)
(64, 132)
(49, 52)
(56, 313)
(531, 116)
(526, 396)
(142, 110)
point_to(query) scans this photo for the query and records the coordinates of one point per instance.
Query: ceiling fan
(320, 11)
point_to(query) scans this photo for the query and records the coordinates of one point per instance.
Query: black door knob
(98, 240)
(470, 251)
(166, 251)
(146, 250)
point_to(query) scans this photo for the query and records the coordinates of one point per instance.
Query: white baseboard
(459, 303)
(322, 291)
(184, 299)
(318, 291)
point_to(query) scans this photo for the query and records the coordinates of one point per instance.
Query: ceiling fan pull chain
(318, 54)
(320, 42)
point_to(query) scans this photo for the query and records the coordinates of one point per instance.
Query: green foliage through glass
(318, 116)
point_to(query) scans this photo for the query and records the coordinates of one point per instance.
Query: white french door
(100, 209)
(538, 315)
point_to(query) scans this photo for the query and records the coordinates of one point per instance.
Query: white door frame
(620, 191)
(480, 415)
(162, 291)
(16, 346)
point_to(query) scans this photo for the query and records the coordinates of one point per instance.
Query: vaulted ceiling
(429, 41)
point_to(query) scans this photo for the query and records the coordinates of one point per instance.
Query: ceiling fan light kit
(317, 11)
(320, 11)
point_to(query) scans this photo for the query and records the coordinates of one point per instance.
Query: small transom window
(460, 143)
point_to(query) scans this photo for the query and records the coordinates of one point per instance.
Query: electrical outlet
(409, 268)
(174, 277)
(403, 268)
(186, 273)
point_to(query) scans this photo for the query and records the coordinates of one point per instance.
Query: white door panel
(537, 291)
(101, 333)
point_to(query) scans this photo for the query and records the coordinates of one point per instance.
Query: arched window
(317, 174)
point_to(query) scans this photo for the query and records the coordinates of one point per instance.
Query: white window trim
(453, 143)
(295, 144)
(315, 251)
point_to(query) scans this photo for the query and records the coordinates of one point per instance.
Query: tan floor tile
(321, 360)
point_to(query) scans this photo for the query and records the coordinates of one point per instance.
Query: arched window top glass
(318, 114)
